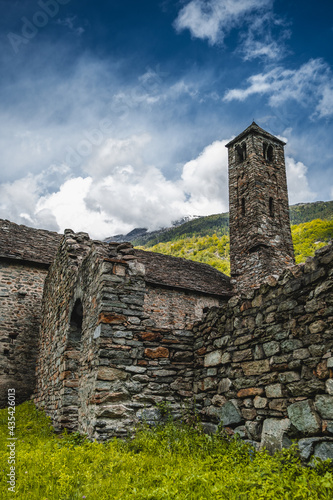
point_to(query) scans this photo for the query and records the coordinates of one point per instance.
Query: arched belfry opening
(268, 152)
(241, 152)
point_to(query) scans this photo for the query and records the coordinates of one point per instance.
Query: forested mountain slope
(207, 240)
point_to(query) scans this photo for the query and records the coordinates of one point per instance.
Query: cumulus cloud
(130, 193)
(310, 82)
(261, 33)
(298, 186)
(214, 19)
(205, 179)
(325, 105)
(263, 40)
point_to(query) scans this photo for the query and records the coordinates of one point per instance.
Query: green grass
(167, 462)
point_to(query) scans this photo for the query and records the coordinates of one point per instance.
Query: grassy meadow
(171, 461)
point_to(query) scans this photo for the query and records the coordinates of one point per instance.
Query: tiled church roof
(20, 242)
(175, 272)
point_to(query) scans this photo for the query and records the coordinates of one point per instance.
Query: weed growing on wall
(165, 462)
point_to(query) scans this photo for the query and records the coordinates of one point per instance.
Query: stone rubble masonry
(271, 350)
(21, 290)
(25, 255)
(260, 236)
(119, 330)
(133, 350)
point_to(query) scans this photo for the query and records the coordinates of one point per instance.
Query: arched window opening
(75, 325)
(268, 152)
(271, 207)
(241, 152)
(243, 206)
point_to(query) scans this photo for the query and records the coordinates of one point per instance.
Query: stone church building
(100, 333)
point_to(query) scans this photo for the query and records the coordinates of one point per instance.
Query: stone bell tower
(260, 236)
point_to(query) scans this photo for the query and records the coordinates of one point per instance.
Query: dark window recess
(259, 246)
(271, 207)
(243, 206)
(75, 328)
(241, 152)
(268, 152)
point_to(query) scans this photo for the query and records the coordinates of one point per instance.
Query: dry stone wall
(57, 365)
(21, 290)
(264, 361)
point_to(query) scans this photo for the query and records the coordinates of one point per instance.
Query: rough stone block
(324, 406)
(304, 417)
(158, 352)
(253, 429)
(321, 447)
(260, 402)
(107, 373)
(274, 434)
(256, 367)
(278, 405)
(224, 385)
(274, 391)
(329, 386)
(271, 348)
(250, 391)
(243, 355)
(213, 358)
(230, 414)
(317, 326)
(301, 354)
(287, 377)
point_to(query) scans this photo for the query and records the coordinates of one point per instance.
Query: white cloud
(325, 106)
(115, 154)
(214, 19)
(298, 186)
(307, 84)
(206, 180)
(132, 193)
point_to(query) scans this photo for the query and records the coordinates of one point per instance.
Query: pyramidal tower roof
(254, 129)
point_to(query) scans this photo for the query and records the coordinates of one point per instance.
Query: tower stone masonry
(260, 235)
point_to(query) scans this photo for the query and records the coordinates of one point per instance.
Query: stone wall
(264, 361)
(57, 367)
(21, 290)
(134, 348)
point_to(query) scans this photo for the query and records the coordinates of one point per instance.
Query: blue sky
(115, 114)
